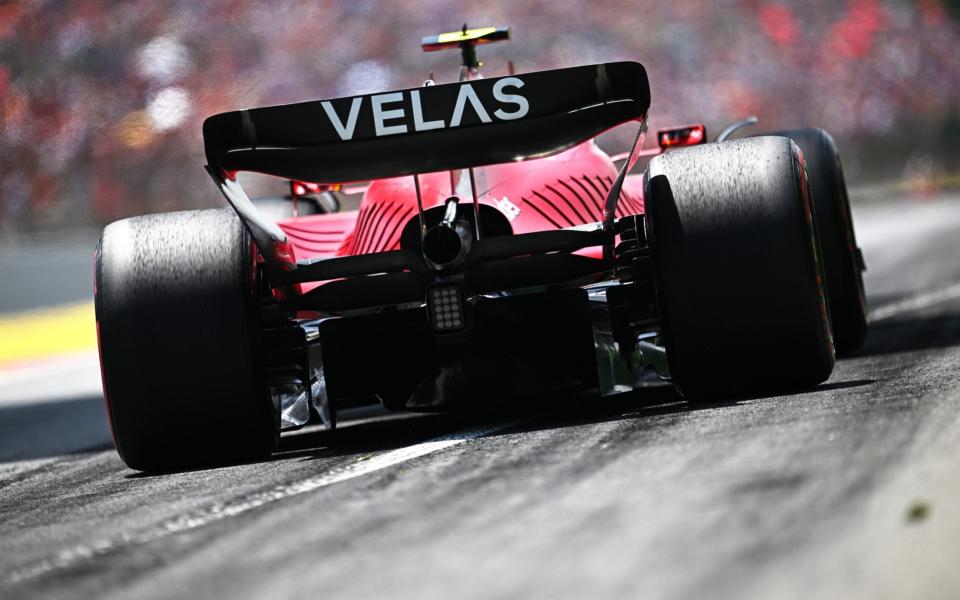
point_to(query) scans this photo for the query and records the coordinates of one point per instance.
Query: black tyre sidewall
(177, 321)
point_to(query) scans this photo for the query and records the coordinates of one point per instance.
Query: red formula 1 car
(497, 252)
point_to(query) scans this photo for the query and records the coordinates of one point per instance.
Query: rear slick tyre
(738, 279)
(177, 322)
(842, 262)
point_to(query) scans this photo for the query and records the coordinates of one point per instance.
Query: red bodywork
(559, 191)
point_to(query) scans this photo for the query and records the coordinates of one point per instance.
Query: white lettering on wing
(393, 121)
(468, 93)
(418, 123)
(523, 107)
(380, 115)
(344, 131)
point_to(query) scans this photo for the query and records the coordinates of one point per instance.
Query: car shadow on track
(841, 385)
(372, 430)
(909, 333)
(662, 403)
(383, 431)
(389, 431)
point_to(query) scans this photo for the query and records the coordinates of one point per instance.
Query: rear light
(690, 135)
(303, 188)
(446, 307)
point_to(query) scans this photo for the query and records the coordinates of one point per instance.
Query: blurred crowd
(101, 101)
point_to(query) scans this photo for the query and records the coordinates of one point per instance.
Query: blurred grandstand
(101, 102)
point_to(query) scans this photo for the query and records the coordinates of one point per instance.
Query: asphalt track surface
(850, 490)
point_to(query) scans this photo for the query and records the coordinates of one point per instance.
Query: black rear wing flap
(428, 129)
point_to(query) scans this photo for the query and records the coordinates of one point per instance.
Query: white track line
(230, 508)
(918, 302)
(67, 376)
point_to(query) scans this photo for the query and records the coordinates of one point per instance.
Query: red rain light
(303, 188)
(689, 135)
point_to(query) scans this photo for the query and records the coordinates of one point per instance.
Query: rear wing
(421, 130)
(427, 129)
